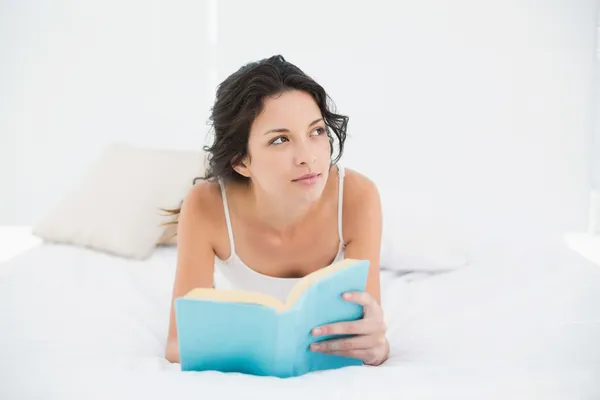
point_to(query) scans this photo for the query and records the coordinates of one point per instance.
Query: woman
(274, 206)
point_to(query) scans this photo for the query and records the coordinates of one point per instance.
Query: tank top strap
(341, 174)
(227, 219)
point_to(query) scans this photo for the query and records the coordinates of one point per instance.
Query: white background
(482, 109)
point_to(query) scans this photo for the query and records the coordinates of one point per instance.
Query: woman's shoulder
(203, 199)
(358, 186)
(361, 205)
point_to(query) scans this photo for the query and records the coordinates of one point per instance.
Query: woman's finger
(370, 305)
(353, 343)
(368, 356)
(358, 327)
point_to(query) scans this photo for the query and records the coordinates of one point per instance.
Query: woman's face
(289, 148)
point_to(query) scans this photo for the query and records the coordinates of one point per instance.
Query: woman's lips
(308, 179)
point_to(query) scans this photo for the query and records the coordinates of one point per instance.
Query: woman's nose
(304, 155)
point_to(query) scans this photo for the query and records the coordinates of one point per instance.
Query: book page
(304, 283)
(242, 296)
(235, 296)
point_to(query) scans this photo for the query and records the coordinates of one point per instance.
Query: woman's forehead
(289, 110)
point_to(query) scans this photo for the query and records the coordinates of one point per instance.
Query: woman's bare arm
(363, 226)
(195, 255)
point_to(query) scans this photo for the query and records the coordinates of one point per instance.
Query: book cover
(253, 333)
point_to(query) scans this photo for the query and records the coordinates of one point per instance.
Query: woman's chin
(310, 195)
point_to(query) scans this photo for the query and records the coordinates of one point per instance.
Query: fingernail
(317, 331)
(347, 295)
(314, 346)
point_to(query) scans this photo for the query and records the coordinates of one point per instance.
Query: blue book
(254, 333)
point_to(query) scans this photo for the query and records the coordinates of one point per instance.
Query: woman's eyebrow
(315, 121)
(283, 130)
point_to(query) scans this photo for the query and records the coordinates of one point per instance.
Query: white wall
(483, 109)
(595, 139)
(77, 75)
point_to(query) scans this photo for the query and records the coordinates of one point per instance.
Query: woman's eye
(319, 131)
(278, 140)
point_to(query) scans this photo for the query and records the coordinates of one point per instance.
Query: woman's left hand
(370, 345)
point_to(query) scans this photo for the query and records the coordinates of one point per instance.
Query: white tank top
(240, 276)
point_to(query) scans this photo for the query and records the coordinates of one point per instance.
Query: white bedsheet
(81, 324)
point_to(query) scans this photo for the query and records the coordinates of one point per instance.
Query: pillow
(169, 236)
(116, 207)
(420, 253)
(414, 238)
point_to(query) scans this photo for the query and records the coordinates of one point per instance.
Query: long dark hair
(238, 102)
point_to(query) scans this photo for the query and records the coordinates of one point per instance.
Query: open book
(253, 333)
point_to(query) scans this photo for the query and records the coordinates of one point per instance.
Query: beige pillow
(169, 236)
(116, 207)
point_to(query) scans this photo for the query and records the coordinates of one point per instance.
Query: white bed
(80, 324)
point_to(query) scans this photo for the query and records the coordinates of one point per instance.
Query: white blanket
(80, 324)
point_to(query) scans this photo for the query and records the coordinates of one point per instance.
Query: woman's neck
(277, 215)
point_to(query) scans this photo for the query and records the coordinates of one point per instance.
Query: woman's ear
(241, 166)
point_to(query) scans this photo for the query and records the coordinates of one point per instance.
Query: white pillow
(420, 253)
(116, 207)
(414, 238)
